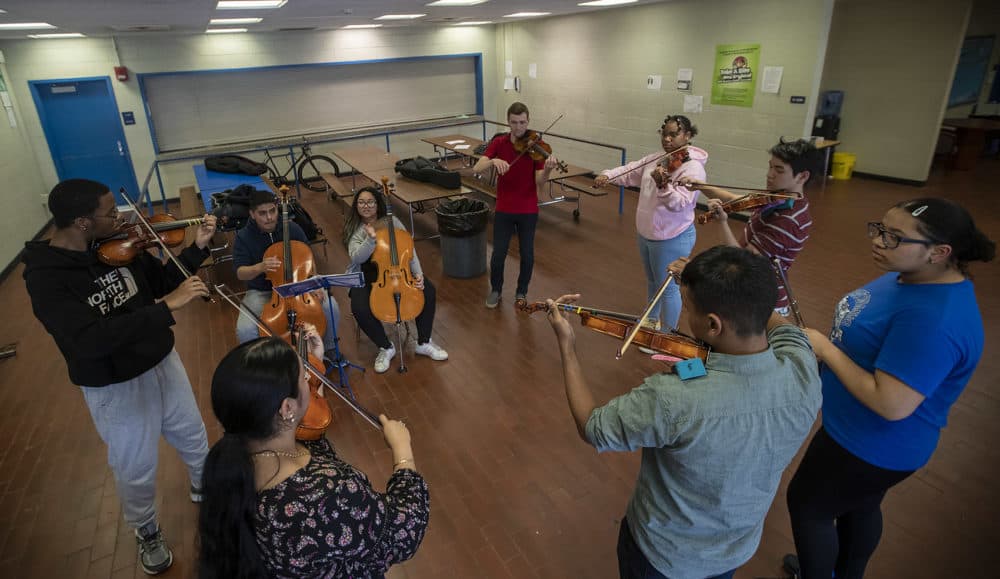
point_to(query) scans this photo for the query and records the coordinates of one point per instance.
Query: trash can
(462, 225)
(843, 165)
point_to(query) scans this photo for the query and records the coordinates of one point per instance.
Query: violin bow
(654, 159)
(793, 305)
(649, 308)
(770, 192)
(156, 238)
(370, 418)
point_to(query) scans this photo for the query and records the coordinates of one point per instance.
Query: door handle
(121, 149)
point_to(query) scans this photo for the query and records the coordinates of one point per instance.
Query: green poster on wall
(735, 74)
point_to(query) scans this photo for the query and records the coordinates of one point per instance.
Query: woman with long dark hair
(902, 349)
(367, 207)
(275, 507)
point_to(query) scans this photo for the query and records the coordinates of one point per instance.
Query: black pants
(372, 327)
(834, 500)
(504, 225)
(632, 564)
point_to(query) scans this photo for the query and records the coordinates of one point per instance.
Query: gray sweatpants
(130, 417)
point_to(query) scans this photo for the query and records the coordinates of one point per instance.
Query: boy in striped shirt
(778, 230)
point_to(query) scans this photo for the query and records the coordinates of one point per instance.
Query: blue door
(81, 124)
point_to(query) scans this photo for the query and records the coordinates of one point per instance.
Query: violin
(531, 144)
(395, 296)
(318, 414)
(670, 163)
(297, 264)
(620, 325)
(748, 201)
(123, 247)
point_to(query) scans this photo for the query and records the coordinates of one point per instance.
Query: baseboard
(897, 180)
(17, 258)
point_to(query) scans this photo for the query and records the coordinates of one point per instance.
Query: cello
(395, 297)
(283, 314)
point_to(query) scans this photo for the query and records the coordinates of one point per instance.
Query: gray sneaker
(154, 555)
(493, 299)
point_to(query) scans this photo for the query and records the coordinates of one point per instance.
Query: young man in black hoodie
(112, 324)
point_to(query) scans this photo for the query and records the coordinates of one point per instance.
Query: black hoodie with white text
(105, 319)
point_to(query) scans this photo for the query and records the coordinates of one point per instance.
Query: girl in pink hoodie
(664, 217)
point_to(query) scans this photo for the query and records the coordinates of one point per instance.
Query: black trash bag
(462, 217)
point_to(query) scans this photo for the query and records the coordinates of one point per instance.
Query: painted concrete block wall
(592, 68)
(895, 61)
(59, 59)
(23, 192)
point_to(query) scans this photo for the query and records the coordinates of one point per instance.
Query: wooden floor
(514, 492)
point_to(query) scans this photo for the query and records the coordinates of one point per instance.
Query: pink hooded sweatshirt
(662, 213)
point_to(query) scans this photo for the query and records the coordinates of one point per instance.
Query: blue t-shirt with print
(930, 337)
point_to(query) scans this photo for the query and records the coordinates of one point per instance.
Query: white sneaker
(384, 358)
(431, 350)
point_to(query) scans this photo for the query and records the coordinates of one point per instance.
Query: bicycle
(308, 171)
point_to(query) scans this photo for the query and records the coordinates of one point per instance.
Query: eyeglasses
(671, 134)
(363, 203)
(889, 239)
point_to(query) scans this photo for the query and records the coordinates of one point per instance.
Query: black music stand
(325, 282)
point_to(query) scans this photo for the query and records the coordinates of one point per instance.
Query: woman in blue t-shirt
(902, 349)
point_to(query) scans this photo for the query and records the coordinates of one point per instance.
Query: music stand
(325, 282)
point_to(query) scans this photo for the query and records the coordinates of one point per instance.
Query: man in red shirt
(518, 180)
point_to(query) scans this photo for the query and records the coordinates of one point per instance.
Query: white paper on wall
(509, 68)
(532, 70)
(692, 104)
(772, 79)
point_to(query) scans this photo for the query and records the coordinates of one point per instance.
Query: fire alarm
(121, 73)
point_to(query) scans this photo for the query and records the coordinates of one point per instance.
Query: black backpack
(235, 164)
(305, 221)
(427, 171)
(232, 207)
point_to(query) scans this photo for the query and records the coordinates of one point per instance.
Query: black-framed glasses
(368, 203)
(890, 240)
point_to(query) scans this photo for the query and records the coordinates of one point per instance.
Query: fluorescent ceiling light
(363, 26)
(605, 2)
(457, 2)
(57, 35)
(225, 21)
(250, 4)
(474, 23)
(25, 26)
(224, 30)
(400, 16)
(526, 14)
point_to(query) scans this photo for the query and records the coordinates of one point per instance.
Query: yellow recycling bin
(843, 165)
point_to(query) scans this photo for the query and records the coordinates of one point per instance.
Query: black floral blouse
(327, 521)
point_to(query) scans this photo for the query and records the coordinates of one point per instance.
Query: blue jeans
(632, 564)
(504, 225)
(656, 255)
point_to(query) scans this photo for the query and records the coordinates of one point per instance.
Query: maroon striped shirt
(779, 233)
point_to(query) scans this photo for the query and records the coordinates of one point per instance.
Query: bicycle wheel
(311, 172)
